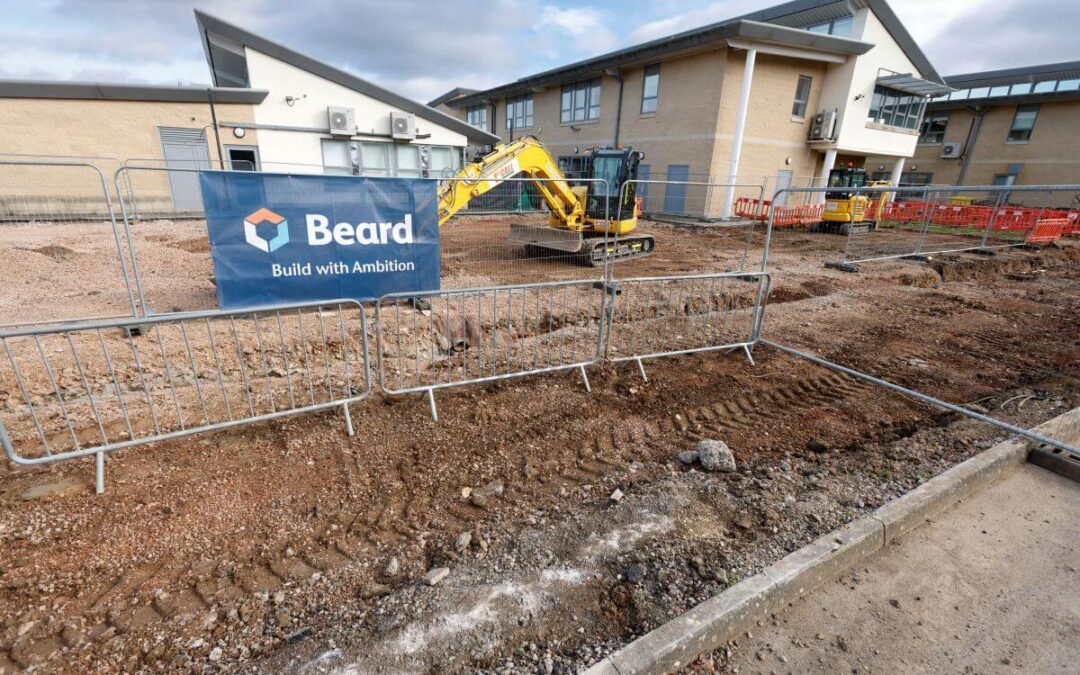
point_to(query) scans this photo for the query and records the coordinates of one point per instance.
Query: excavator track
(596, 253)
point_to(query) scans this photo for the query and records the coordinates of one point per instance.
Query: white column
(740, 127)
(894, 178)
(823, 179)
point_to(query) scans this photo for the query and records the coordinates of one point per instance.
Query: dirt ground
(1002, 597)
(287, 546)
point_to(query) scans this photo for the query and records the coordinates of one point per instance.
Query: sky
(422, 48)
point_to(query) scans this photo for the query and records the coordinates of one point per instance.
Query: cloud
(695, 18)
(1005, 34)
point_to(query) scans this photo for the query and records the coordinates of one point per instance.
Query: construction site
(461, 400)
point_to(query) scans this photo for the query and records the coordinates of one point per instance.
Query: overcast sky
(422, 48)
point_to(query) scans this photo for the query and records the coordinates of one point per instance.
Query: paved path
(991, 586)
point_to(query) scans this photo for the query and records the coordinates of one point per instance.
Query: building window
(519, 112)
(933, 127)
(650, 90)
(375, 159)
(337, 158)
(895, 108)
(836, 27)
(802, 96)
(1023, 123)
(580, 101)
(477, 116)
(408, 161)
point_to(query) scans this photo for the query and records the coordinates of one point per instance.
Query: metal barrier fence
(916, 221)
(482, 250)
(90, 388)
(665, 316)
(450, 338)
(722, 245)
(60, 244)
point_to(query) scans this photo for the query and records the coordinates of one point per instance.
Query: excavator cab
(614, 167)
(845, 208)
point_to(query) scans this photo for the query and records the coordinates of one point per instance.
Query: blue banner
(278, 238)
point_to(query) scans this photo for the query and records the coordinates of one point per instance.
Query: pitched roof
(116, 91)
(780, 24)
(210, 24)
(456, 92)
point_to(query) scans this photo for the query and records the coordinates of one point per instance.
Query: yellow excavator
(594, 220)
(845, 209)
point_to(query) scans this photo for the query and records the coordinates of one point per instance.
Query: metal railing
(452, 338)
(722, 245)
(666, 316)
(919, 220)
(62, 241)
(482, 249)
(89, 388)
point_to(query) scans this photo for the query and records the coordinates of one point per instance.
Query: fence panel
(923, 220)
(692, 234)
(484, 244)
(60, 245)
(450, 338)
(88, 388)
(663, 316)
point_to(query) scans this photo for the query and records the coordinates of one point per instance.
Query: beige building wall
(774, 139)
(1050, 157)
(105, 132)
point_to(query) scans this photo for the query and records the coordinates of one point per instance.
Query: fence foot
(842, 266)
(431, 402)
(918, 257)
(749, 356)
(99, 473)
(585, 379)
(348, 419)
(985, 252)
(641, 369)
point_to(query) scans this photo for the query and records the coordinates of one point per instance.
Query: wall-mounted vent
(402, 126)
(950, 150)
(342, 121)
(824, 126)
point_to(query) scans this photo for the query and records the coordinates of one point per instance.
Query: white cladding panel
(313, 95)
(844, 82)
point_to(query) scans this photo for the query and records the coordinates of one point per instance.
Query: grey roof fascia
(683, 42)
(208, 23)
(115, 91)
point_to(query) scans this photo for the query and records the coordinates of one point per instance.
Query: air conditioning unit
(342, 121)
(950, 150)
(402, 126)
(824, 126)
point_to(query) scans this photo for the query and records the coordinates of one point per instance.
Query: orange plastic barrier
(1047, 231)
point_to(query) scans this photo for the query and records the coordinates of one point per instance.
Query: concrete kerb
(728, 615)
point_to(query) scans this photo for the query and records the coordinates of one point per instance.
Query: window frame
(480, 108)
(809, 80)
(527, 112)
(586, 89)
(1013, 129)
(897, 109)
(924, 135)
(649, 71)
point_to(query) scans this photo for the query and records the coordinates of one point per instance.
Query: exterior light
(239, 132)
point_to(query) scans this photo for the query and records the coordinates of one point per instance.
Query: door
(783, 182)
(643, 173)
(675, 189)
(185, 149)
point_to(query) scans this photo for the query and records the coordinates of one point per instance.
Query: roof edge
(120, 91)
(208, 23)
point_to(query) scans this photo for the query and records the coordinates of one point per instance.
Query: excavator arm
(525, 156)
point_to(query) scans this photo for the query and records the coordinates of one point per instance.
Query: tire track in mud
(377, 530)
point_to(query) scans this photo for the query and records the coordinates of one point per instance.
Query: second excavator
(594, 220)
